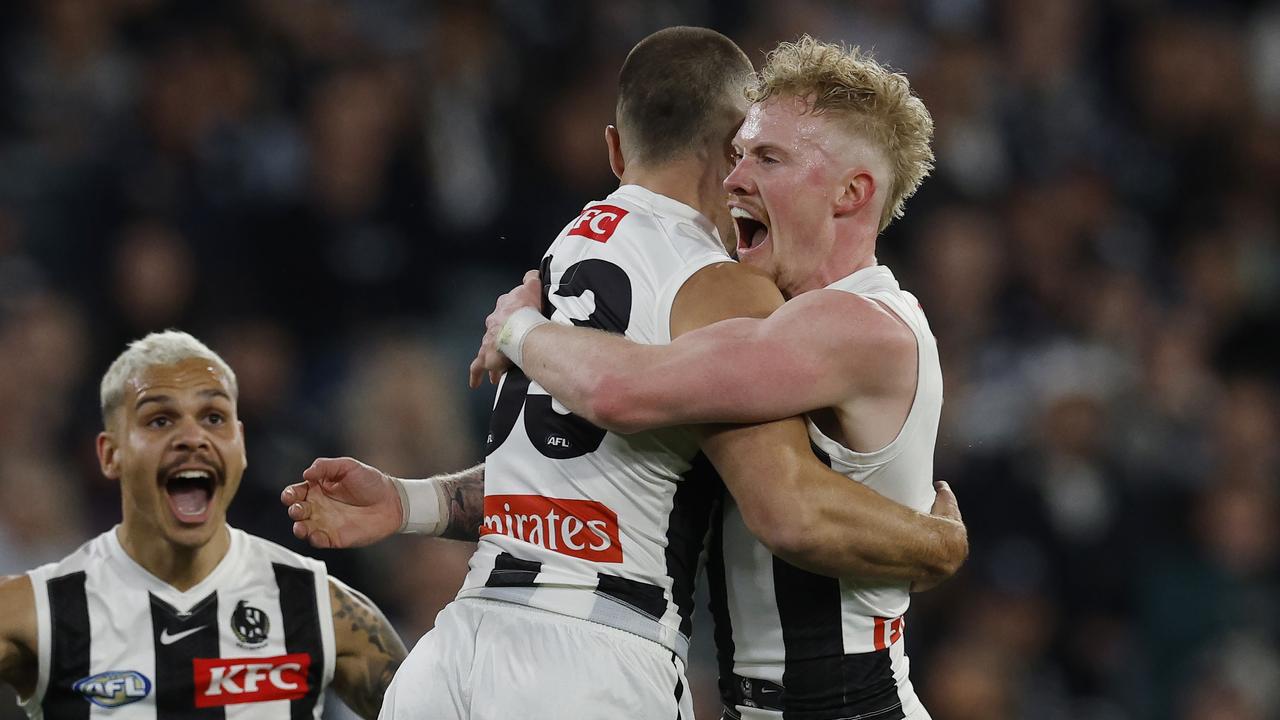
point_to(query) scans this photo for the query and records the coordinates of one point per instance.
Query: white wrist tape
(424, 505)
(515, 330)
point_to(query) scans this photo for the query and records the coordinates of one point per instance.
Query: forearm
(849, 530)
(460, 496)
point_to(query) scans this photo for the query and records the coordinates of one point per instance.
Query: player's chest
(230, 647)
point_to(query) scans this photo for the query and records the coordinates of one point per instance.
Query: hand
(489, 358)
(343, 503)
(946, 507)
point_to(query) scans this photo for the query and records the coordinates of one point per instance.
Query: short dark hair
(673, 90)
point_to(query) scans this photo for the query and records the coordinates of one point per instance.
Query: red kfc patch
(246, 680)
(598, 222)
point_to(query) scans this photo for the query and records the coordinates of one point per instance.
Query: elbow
(791, 534)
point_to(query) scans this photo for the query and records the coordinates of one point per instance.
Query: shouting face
(177, 448)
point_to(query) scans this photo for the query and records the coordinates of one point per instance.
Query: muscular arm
(741, 369)
(18, 641)
(368, 650)
(803, 511)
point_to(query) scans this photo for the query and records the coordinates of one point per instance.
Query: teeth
(740, 213)
(193, 475)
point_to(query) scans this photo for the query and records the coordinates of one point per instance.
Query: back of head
(870, 100)
(159, 348)
(678, 91)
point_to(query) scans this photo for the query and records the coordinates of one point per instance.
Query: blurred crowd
(331, 193)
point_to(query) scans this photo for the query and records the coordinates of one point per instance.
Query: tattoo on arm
(466, 504)
(374, 654)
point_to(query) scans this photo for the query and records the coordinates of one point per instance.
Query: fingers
(296, 492)
(300, 511)
(317, 538)
(475, 373)
(532, 277)
(321, 469)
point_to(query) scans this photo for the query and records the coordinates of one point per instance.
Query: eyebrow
(210, 393)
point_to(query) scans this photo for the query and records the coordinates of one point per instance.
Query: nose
(738, 181)
(190, 436)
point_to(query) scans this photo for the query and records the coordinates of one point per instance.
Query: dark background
(332, 193)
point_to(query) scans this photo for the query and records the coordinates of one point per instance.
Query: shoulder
(720, 291)
(862, 335)
(16, 592)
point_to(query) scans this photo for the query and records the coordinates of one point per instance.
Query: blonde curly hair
(875, 102)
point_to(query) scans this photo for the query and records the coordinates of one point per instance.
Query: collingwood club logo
(250, 625)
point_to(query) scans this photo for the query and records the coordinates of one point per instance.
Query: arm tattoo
(377, 654)
(466, 504)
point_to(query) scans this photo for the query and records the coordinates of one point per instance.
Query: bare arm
(18, 634)
(815, 350)
(368, 650)
(821, 521)
(802, 510)
(342, 503)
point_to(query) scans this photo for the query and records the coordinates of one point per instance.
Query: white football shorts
(492, 660)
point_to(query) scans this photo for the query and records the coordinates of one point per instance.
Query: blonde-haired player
(832, 146)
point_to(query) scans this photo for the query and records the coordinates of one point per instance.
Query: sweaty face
(177, 448)
(784, 189)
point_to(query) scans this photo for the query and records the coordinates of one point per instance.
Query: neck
(688, 180)
(181, 566)
(853, 249)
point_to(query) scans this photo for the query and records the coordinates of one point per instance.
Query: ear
(108, 455)
(614, 141)
(244, 452)
(856, 192)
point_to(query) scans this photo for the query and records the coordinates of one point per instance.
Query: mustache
(212, 462)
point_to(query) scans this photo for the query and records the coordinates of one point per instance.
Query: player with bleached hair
(173, 613)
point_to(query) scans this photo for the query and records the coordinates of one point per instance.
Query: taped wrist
(424, 506)
(515, 330)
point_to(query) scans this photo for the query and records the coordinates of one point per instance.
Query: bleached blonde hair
(876, 103)
(159, 348)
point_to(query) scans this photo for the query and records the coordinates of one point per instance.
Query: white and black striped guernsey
(580, 521)
(254, 639)
(805, 647)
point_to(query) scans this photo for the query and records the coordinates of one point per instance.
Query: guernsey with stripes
(254, 639)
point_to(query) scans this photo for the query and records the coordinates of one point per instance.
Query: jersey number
(556, 435)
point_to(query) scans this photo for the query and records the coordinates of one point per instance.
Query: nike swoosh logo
(167, 639)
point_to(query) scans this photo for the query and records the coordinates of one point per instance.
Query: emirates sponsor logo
(579, 528)
(233, 681)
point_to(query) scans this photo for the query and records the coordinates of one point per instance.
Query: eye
(216, 418)
(159, 421)
(768, 160)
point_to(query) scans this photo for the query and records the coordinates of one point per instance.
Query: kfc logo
(248, 680)
(580, 528)
(598, 222)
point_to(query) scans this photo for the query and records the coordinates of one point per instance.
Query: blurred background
(332, 194)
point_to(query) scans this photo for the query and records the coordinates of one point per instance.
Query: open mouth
(190, 492)
(752, 233)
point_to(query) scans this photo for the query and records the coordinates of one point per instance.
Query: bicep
(751, 370)
(18, 633)
(368, 649)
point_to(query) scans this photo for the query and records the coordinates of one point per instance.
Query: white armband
(424, 505)
(515, 330)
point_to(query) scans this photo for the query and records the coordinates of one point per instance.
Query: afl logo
(114, 688)
(250, 625)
